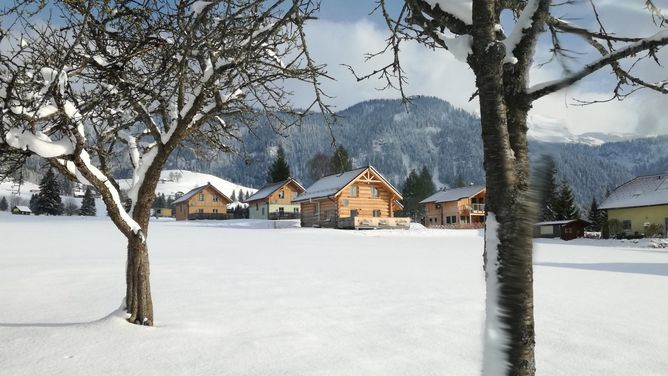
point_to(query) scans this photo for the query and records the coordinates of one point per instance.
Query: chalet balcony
(215, 216)
(478, 208)
(285, 215)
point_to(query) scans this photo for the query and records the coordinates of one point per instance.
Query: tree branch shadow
(660, 269)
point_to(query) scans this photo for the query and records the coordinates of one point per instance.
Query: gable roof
(196, 190)
(454, 194)
(640, 191)
(268, 189)
(333, 184)
(22, 208)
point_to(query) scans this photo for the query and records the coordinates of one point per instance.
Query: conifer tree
(279, 169)
(416, 188)
(33, 204)
(88, 204)
(594, 215)
(460, 182)
(319, 166)
(234, 196)
(3, 204)
(544, 180)
(564, 206)
(48, 200)
(340, 161)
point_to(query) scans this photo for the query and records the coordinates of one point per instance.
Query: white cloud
(437, 73)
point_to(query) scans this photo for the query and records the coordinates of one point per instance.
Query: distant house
(566, 230)
(274, 201)
(457, 206)
(205, 202)
(360, 198)
(639, 204)
(162, 212)
(21, 210)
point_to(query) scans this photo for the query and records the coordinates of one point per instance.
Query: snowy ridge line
(495, 338)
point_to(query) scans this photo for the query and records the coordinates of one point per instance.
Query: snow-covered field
(243, 298)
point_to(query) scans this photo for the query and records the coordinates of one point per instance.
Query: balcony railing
(196, 216)
(478, 208)
(284, 215)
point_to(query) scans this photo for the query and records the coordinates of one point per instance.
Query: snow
(640, 191)
(461, 9)
(329, 185)
(495, 338)
(459, 46)
(454, 194)
(39, 143)
(198, 6)
(253, 301)
(187, 180)
(524, 22)
(546, 129)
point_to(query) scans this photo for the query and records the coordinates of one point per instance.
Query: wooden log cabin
(357, 199)
(205, 202)
(457, 207)
(274, 201)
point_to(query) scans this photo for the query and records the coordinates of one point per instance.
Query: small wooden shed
(566, 230)
(21, 210)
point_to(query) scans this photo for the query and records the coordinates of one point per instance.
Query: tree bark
(506, 172)
(138, 291)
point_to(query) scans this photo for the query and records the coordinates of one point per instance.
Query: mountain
(395, 137)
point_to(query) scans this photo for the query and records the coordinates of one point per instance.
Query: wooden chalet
(456, 207)
(21, 210)
(274, 201)
(358, 199)
(638, 204)
(566, 230)
(205, 202)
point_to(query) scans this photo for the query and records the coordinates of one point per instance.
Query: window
(376, 213)
(354, 191)
(257, 206)
(345, 203)
(215, 210)
(281, 194)
(296, 210)
(201, 196)
(215, 198)
(200, 211)
(626, 225)
(447, 220)
(374, 192)
(353, 213)
(263, 210)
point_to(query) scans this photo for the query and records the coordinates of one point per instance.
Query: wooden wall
(208, 205)
(364, 203)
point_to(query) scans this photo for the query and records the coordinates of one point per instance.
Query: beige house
(640, 205)
(205, 202)
(457, 206)
(274, 201)
(360, 198)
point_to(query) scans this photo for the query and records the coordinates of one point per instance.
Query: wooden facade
(274, 201)
(353, 199)
(205, 202)
(458, 207)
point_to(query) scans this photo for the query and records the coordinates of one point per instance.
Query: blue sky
(345, 32)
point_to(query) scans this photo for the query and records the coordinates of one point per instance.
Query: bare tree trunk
(506, 171)
(138, 291)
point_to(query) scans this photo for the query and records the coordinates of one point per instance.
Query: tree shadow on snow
(660, 269)
(116, 315)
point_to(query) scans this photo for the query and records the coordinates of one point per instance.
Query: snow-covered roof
(268, 189)
(551, 223)
(195, 191)
(454, 194)
(23, 208)
(332, 184)
(641, 191)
